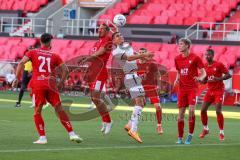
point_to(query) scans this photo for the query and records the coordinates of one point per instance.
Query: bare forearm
(65, 73)
(135, 57)
(226, 76)
(202, 75)
(19, 69)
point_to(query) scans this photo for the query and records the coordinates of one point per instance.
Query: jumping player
(99, 74)
(125, 57)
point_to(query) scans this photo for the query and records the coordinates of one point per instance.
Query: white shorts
(134, 85)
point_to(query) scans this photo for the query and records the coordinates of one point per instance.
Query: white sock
(72, 133)
(222, 132)
(137, 111)
(205, 127)
(108, 100)
(130, 123)
(42, 137)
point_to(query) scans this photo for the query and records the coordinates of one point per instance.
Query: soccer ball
(119, 20)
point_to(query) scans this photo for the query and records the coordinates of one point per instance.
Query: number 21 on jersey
(43, 63)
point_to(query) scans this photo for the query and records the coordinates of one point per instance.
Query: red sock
(180, 128)
(204, 118)
(39, 124)
(65, 121)
(220, 120)
(159, 115)
(105, 117)
(191, 123)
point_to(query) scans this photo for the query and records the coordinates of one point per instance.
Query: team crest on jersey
(190, 61)
(94, 49)
(214, 69)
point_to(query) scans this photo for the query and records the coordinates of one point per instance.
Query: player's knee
(157, 105)
(38, 110)
(58, 108)
(203, 111)
(96, 101)
(219, 112)
(180, 117)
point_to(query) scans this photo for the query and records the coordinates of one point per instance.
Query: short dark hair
(186, 41)
(106, 26)
(46, 38)
(114, 34)
(211, 51)
(143, 49)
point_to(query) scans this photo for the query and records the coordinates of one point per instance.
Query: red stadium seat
(133, 3)
(77, 43)
(29, 41)
(140, 19)
(153, 46)
(137, 45)
(160, 20)
(24, 5)
(190, 20)
(175, 20)
(168, 13)
(60, 42)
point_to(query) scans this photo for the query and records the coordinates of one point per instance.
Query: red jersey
(105, 42)
(187, 68)
(217, 69)
(148, 71)
(44, 63)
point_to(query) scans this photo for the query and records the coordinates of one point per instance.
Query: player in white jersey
(124, 55)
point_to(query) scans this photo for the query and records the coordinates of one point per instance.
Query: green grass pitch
(17, 132)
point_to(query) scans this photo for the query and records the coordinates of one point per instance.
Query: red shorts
(41, 97)
(98, 86)
(186, 98)
(214, 97)
(152, 93)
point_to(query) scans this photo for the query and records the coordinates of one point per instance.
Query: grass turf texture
(17, 132)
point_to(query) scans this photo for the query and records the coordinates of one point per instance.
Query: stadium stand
(173, 12)
(24, 5)
(12, 48)
(231, 26)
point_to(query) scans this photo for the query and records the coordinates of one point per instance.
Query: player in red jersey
(44, 64)
(99, 74)
(149, 72)
(187, 65)
(216, 73)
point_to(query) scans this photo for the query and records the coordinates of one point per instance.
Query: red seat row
(173, 12)
(24, 5)
(10, 48)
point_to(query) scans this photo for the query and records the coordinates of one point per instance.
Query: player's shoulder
(107, 37)
(218, 64)
(178, 57)
(193, 55)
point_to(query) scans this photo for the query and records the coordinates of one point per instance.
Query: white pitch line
(3, 120)
(116, 147)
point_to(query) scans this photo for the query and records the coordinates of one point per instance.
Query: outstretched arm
(136, 56)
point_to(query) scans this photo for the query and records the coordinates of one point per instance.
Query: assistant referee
(26, 77)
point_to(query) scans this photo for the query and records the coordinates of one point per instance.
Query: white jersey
(127, 66)
(131, 80)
